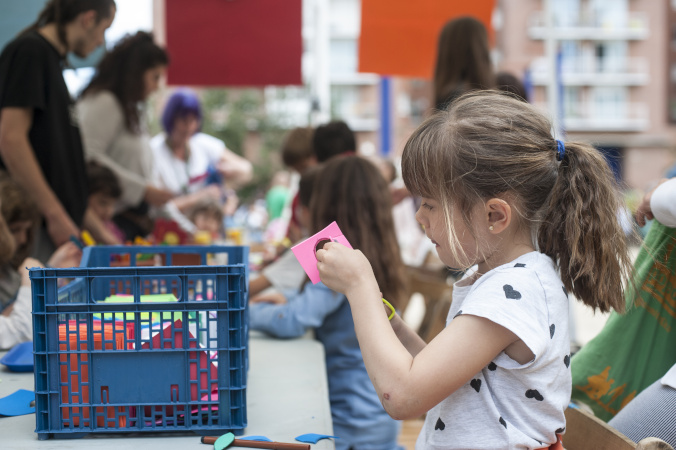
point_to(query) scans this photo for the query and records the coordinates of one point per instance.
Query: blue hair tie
(560, 150)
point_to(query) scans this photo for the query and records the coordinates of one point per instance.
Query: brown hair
(463, 60)
(209, 207)
(17, 206)
(63, 12)
(121, 72)
(306, 185)
(352, 192)
(102, 180)
(489, 145)
(297, 146)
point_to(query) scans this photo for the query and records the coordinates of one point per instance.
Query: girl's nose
(420, 217)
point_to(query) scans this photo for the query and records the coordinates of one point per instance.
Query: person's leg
(651, 414)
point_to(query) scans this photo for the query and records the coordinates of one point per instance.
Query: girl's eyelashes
(427, 206)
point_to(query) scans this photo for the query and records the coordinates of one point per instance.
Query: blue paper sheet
(255, 438)
(18, 403)
(313, 438)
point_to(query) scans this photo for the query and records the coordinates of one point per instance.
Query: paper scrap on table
(255, 438)
(223, 441)
(306, 251)
(313, 438)
(18, 403)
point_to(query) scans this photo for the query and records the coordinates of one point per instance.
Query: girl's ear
(498, 215)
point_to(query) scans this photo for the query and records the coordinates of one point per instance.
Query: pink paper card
(305, 251)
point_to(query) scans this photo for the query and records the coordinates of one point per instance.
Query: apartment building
(615, 85)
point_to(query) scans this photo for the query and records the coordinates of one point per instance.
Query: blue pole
(385, 115)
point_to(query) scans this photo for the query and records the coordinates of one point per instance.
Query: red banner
(234, 42)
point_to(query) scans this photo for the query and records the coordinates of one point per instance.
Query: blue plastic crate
(142, 348)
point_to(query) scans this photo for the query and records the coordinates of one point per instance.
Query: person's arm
(305, 310)
(258, 285)
(19, 158)
(101, 121)
(408, 385)
(408, 338)
(185, 202)
(17, 327)
(662, 208)
(97, 228)
(236, 170)
(663, 203)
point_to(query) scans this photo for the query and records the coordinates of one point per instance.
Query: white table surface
(287, 395)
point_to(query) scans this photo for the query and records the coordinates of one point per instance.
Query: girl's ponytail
(581, 230)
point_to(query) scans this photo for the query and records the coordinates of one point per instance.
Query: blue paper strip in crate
(158, 345)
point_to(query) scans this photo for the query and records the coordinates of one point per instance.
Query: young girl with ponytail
(536, 217)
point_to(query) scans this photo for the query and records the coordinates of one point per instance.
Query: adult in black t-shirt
(40, 142)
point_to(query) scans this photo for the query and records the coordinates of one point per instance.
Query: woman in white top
(113, 130)
(191, 164)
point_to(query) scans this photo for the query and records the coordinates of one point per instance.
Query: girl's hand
(644, 211)
(343, 269)
(66, 256)
(23, 270)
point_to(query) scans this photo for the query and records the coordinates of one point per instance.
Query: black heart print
(520, 265)
(560, 430)
(457, 314)
(492, 366)
(440, 425)
(532, 393)
(552, 328)
(502, 421)
(566, 360)
(565, 292)
(476, 384)
(511, 293)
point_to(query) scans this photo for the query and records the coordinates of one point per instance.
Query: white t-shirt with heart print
(510, 405)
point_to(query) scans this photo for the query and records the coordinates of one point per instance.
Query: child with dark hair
(352, 192)
(104, 193)
(508, 82)
(297, 154)
(333, 139)
(207, 216)
(18, 224)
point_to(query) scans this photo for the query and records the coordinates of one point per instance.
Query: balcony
(609, 117)
(590, 27)
(590, 71)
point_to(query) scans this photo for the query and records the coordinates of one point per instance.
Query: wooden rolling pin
(259, 444)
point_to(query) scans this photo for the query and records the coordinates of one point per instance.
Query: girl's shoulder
(529, 264)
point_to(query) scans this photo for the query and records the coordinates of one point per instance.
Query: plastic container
(142, 348)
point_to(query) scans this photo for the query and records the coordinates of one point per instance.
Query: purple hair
(180, 104)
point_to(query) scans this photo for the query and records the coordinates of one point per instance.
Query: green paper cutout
(223, 441)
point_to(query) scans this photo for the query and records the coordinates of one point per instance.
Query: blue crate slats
(142, 348)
